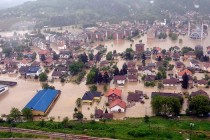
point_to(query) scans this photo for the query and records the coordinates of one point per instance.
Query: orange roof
(48, 60)
(114, 91)
(24, 61)
(118, 102)
(185, 71)
(44, 52)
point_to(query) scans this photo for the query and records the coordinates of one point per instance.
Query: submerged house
(117, 106)
(90, 96)
(43, 101)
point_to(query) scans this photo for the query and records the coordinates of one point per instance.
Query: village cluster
(46, 56)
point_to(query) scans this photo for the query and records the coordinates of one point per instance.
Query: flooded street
(121, 45)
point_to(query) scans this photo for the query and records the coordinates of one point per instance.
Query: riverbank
(129, 129)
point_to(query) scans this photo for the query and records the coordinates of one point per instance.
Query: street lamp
(191, 128)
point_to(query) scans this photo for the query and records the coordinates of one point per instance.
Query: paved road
(52, 135)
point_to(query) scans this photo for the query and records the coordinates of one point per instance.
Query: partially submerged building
(43, 101)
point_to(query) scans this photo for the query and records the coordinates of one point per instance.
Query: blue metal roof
(33, 69)
(42, 100)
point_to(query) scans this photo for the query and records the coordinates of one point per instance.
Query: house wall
(201, 85)
(169, 85)
(36, 112)
(116, 109)
(52, 104)
(87, 101)
(147, 72)
(133, 80)
(120, 82)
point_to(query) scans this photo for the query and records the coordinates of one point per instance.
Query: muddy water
(121, 45)
(20, 95)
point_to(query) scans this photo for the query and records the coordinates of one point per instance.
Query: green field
(19, 135)
(130, 129)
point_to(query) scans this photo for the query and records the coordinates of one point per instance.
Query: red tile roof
(118, 102)
(44, 52)
(115, 91)
(24, 61)
(185, 71)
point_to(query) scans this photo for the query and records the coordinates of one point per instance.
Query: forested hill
(64, 12)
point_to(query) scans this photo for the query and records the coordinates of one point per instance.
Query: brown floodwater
(121, 45)
(21, 94)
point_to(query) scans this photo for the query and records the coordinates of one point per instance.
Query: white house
(62, 47)
(120, 79)
(195, 64)
(117, 106)
(206, 67)
(23, 63)
(147, 71)
(64, 55)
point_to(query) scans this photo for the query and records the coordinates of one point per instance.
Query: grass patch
(133, 128)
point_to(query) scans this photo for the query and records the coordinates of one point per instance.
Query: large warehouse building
(42, 102)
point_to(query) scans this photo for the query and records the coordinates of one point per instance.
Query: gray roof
(2, 86)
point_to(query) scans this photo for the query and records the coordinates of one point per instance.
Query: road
(51, 135)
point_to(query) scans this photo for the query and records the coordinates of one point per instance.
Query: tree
(65, 122)
(143, 57)
(199, 54)
(93, 88)
(76, 67)
(83, 58)
(146, 119)
(109, 56)
(185, 81)
(55, 56)
(78, 115)
(116, 71)
(106, 78)
(143, 63)
(125, 68)
(170, 67)
(7, 51)
(166, 105)
(105, 88)
(42, 58)
(160, 85)
(27, 114)
(47, 86)
(129, 54)
(75, 109)
(186, 50)
(79, 102)
(173, 36)
(43, 77)
(100, 78)
(199, 105)
(15, 114)
(163, 51)
(159, 76)
(92, 76)
(122, 72)
(91, 56)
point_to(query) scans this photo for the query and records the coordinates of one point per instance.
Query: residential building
(90, 96)
(117, 106)
(114, 94)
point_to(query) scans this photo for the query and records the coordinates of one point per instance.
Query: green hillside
(65, 12)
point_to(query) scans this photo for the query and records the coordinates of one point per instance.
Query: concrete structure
(43, 101)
